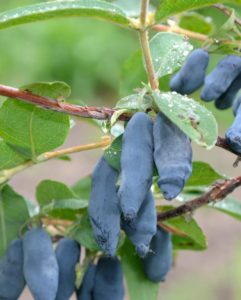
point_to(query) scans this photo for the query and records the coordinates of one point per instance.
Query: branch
(82, 111)
(99, 113)
(217, 193)
(178, 30)
(227, 11)
(143, 33)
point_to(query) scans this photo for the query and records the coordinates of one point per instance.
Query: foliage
(29, 132)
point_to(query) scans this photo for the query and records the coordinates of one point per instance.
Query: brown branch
(227, 11)
(99, 113)
(217, 193)
(82, 111)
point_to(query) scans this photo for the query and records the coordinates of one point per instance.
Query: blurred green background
(88, 55)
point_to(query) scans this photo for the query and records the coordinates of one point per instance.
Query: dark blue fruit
(141, 230)
(104, 211)
(221, 78)
(40, 265)
(136, 164)
(68, 255)
(108, 280)
(233, 135)
(236, 105)
(225, 100)
(12, 280)
(159, 261)
(192, 74)
(86, 289)
(172, 155)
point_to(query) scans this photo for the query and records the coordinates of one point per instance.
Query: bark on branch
(100, 113)
(218, 192)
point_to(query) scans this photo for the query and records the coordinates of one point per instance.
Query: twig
(217, 193)
(144, 12)
(178, 30)
(143, 33)
(227, 11)
(106, 141)
(9, 173)
(99, 113)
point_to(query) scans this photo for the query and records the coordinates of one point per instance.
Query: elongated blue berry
(233, 134)
(136, 164)
(41, 269)
(159, 261)
(68, 255)
(236, 105)
(226, 100)
(12, 280)
(104, 211)
(86, 289)
(221, 78)
(192, 74)
(143, 228)
(172, 155)
(108, 280)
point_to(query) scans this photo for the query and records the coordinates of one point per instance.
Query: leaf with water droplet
(168, 8)
(137, 102)
(54, 9)
(169, 51)
(113, 153)
(190, 116)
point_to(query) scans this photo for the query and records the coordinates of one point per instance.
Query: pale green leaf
(169, 51)
(55, 9)
(190, 116)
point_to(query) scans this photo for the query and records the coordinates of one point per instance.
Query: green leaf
(196, 22)
(8, 157)
(202, 175)
(31, 129)
(72, 204)
(139, 287)
(190, 116)
(137, 102)
(13, 215)
(169, 51)
(56, 9)
(229, 206)
(56, 199)
(82, 232)
(168, 8)
(82, 188)
(189, 234)
(113, 153)
(132, 74)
